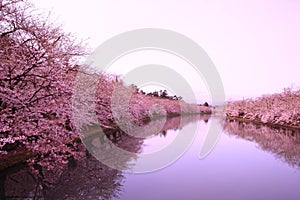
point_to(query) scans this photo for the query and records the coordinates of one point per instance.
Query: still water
(247, 162)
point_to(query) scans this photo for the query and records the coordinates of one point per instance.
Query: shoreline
(271, 125)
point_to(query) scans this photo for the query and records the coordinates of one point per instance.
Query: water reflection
(119, 150)
(84, 179)
(89, 179)
(235, 169)
(176, 123)
(283, 143)
(234, 163)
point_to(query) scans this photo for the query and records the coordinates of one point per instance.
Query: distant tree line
(161, 94)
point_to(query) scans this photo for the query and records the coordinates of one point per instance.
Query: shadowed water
(248, 162)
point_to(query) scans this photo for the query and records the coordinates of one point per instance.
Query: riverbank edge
(271, 125)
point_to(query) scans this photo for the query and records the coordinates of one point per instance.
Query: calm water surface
(248, 162)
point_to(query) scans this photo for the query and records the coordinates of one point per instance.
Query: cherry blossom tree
(37, 64)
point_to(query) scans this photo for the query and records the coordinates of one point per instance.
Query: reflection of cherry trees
(102, 144)
(282, 109)
(283, 143)
(175, 123)
(88, 179)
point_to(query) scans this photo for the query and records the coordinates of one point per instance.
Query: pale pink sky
(254, 44)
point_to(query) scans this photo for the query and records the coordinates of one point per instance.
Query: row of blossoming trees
(38, 73)
(281, 109)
